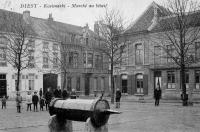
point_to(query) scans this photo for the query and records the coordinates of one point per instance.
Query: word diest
(29, 5)
(42, 6)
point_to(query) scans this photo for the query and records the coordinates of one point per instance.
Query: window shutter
(131, 84)
(145, 84)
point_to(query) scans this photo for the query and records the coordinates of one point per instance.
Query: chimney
(96, 27)
(26, 16)
(50, 19)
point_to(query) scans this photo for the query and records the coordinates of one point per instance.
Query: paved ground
(136, 117)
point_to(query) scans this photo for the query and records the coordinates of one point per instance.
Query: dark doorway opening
(3, 85)
(87, 84)
(124, 83)
(50, 80)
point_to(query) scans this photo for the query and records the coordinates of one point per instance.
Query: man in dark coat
(48, 97)
(65, 94)
(57, 93)
(35, 101)
(157, 93)
(117, 98)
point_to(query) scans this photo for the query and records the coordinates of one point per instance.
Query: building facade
(146, 68)
(85, 71)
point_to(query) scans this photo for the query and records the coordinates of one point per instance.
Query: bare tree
(110, 28)
(177, 33)
(18, 32)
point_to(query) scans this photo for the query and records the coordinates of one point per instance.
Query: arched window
(139, 54)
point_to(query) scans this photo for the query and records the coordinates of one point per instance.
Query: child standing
(42, 102)
(3, 102)
(18, 102)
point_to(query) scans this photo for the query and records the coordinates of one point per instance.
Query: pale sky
(130, 9)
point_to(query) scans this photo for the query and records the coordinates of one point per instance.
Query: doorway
(49, 80)
(139, 84)
(3, 86)
(124, 83)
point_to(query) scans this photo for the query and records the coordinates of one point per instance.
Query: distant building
(144, 70)
(87, 72)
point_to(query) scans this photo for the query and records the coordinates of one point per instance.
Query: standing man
(35, 100)
(57, 93)
(18, 102)
(117, 98)
(65, 94)
(40, 93)
(157, 93)
(48, 97)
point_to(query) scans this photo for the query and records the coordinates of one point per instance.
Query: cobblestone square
(135, 117)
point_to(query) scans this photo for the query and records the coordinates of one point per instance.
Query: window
(86, 41)
(45, 45)
(55, 60)
(69, 83)
(71, 61)
(78, 82)
(3, 43)
(139, 83)
(75, 65)
(31, 81)
(90, 60)
(31, 60)
(197, 79)
(171, 79)
(31, 45)
(84, 59)
(197, 50)
(45, 60)
(73, 38)
(187, 79)
(97, 61)
(139, 54)
(95, 84)
(102, 83)
(157, 55)
(55, 47)
(2, 54)
(170, 53)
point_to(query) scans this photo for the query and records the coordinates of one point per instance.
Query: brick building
(86, 73)
(143, 69)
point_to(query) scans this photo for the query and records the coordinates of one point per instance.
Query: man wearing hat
(35, 100)
(117, 98)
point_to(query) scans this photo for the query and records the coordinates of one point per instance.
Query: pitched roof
(192, 19)
(45, 28)
(145, 20)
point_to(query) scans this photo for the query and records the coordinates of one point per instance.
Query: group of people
(43, 99)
